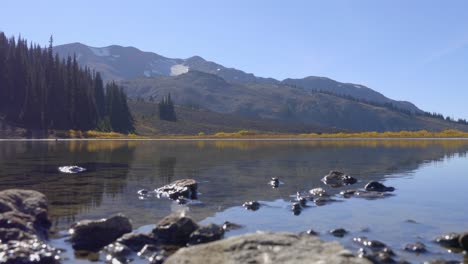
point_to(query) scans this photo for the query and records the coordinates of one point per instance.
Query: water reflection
(229, 172)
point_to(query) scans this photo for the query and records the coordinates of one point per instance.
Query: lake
(430, 177)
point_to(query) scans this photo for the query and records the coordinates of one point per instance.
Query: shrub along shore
(262, 135)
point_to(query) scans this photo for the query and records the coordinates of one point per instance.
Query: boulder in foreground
(266, 247)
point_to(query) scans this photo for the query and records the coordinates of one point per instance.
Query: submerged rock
(338, 232)
(372, 244)
(206, 234)
(92, 235)
(374, 186)
(186, 188)
(463, 241)
(251, 205)
(228, 226)
(266, 248)
(450, 240)
(174, 230)
(417, 247)
(71, 169)
(337, 179)
(296, 208)
(274, 182)
(320, 201)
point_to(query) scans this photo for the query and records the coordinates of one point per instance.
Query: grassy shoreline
(252, 135)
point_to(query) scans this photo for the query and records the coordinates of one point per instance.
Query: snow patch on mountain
(101, 52)
(179, 69)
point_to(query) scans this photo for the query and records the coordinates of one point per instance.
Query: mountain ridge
(136, 63)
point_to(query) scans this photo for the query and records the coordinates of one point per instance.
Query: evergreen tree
(166, 109)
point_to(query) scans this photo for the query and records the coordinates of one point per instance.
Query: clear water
(430, 177)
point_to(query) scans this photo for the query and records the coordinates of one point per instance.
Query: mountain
(197, 83)
(125, 63)
(280, 102)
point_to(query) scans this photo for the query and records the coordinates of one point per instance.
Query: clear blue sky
(408, 50)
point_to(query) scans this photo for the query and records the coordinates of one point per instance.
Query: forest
(40, 90)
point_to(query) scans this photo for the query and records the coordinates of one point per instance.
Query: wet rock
(311, 232)
(92, 235)
(320, 201)
(296, 208)
(318, 192)
(463, 241)
(348, 193)
(302, 201)
(25, 210)
(374, 186)
(28, 251)
(205, 234)
(441, 261)
(174, 230)
(338, 232)
(136, 241)
(373, 244)
(251, 205)
(71, 169)
(117, 252)
(337, 179)
(417, 247)
(186, 188)
(149, 250)
(228, 226)
(449, 240)
(274, 182)
(266, 247)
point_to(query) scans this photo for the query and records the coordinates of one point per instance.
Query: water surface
(429, 176)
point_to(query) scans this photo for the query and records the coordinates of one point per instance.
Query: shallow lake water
(430, 177)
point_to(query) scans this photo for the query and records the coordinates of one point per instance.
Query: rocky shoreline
(24, 237)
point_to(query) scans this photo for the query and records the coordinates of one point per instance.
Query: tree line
(39, 90)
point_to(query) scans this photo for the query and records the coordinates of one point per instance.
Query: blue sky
(408, 50)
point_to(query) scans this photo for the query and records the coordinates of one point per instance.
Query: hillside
(279, 102)
(125, 63)
(192, 121)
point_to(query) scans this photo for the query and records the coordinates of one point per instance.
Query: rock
(348, 193)
(136, 241)
(441, 261)
(417, 247)
(337, 179)
(318, 192)
(251, 205)
(117, 252)
(228, 226)
(373, 244)
(450, 240)
(302, 201)
(205, 234)
(374, 186)
(463, 241)
(71, 169)
(28, 251)
(25, 210)
(174, 230)
(8, 234)
(186, 188)
(265, 248)
(338, 232)
(311, 232)
(296, 208)
(274, 182)
(320, 201)
(92, 235)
